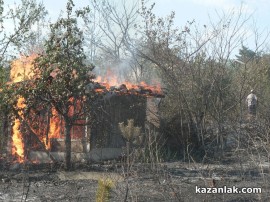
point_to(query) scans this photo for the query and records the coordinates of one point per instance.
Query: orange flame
(55, 125)
(111, 80)
(21, 70)
(18, 146)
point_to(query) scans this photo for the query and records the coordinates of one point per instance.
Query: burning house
(41, 136)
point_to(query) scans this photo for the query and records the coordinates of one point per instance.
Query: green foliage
(63, 71)
(1, 10)
(104, 189)
(62, 75)
(24, 17)
(4, 74)
(246, 55)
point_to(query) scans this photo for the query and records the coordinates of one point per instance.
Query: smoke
(116, 72)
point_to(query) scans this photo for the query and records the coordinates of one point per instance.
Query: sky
(200, 10)
(184, 9)
(187, 10)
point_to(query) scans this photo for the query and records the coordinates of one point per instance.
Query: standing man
(252, 103)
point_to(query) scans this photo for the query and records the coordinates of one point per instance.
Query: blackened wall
(109, 112)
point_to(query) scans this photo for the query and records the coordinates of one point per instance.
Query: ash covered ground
(170, 181)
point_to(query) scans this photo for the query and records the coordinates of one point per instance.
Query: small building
(41, 134)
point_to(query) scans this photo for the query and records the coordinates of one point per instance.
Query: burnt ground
(244, 163)
(170, 181)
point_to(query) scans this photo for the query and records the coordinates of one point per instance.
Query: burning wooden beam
(140, 90)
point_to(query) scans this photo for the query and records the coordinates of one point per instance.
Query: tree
(24, 17)
(14, 38)
(246, 55)
(109, 26)
(109, 29)
(63, 75)
(194, 65)
(15, 31)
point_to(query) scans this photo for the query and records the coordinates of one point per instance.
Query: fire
(54, 131)
(54, 125)
(18, 146)
(111, 83)
(21, 70)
